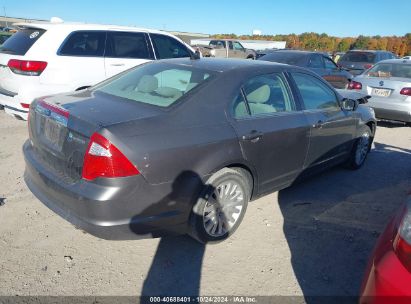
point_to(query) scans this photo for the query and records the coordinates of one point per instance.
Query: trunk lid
(385, 87)
(60, 127)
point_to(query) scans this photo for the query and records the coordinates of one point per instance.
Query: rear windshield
(390, 70)
(21, 42)
(287, 58)
(158, 84)
(359, 57)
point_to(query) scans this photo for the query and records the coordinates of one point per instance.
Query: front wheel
(360, 149)
(221, 207)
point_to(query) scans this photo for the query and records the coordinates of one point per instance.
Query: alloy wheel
(223, 208)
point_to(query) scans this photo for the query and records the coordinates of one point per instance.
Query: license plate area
(53, 133)
(381, 92)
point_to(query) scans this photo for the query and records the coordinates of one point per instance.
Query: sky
(336, 18)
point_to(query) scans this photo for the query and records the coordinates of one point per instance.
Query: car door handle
(318, 125)
(118, 64)
(254, 136)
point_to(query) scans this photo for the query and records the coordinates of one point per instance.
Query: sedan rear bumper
(112, 209)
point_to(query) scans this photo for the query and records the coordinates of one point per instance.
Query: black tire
(355, 162)
(200, 217)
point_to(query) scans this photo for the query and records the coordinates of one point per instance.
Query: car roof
(87, 26)
(369, 51)
(224, 64)
(396, 61)
(296, 52)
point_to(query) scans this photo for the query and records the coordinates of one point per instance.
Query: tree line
(322, 42)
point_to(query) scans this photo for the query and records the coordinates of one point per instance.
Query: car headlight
(212, 52)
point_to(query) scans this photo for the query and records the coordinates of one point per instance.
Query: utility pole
(5, 16)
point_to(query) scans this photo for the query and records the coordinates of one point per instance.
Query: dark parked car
(261, 53)
(141, 156)
(317, 62)
(357, 61)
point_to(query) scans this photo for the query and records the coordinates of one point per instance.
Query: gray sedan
(389, 84)
(182, 146)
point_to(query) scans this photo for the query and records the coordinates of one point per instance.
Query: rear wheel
(221, 207)
(360, 149)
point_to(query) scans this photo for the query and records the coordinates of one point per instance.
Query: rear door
(81, 58)
(272, 130)
(332, 129)
(125, 50)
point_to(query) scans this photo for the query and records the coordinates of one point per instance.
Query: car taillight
(354, 85)
(25, 105)
(103, 159)
(402, 242)
(406, 91)
(367, 66)
(27, 67)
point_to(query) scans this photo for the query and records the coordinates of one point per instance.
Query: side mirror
(349, 104)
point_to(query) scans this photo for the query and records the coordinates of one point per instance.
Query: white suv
(49, 58)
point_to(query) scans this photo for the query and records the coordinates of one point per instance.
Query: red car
(388, 275)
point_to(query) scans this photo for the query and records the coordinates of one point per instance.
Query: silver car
(389, 84)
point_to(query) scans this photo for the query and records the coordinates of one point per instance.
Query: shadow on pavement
(332, 221)
(176, 266)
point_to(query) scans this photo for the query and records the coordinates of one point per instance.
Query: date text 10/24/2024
(203, 299)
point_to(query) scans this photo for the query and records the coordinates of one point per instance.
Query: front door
(125, 50)
(332, 129)
(334, 74)
(272, 131)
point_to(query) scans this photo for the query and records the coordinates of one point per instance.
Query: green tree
(361, 42)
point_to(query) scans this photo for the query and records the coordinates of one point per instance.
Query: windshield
(287, 58)
(21, 42)
(158, 84)
(359, 57)
(390, 70)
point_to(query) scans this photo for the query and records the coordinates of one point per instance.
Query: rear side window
(315, 94)
(316, 62)
(127, 45)
(21, 42)
(264, 94)
(84, 43)
(359, 57)
(167, 47)
(156, 84)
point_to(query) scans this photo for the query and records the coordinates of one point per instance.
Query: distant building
(257, 32)
(187, 36)
(8, 21)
